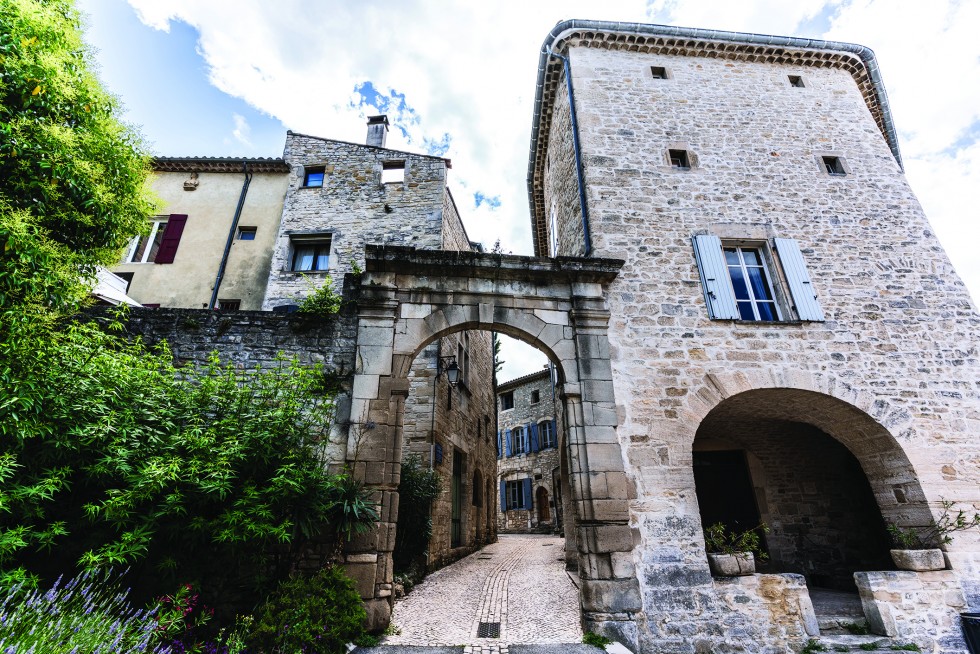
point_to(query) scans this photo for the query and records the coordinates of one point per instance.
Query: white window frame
(519, 441)
(515, 495)
(760, 249)
(547, 436)
(297, 242)
(150, 238)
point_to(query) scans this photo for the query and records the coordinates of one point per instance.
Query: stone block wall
(897, 348)
(542, 467)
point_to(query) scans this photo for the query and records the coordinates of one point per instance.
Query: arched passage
(820, 472)
(555, 305)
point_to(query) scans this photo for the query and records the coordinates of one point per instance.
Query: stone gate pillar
(610, 591)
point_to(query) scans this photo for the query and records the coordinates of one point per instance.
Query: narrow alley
(513, 591)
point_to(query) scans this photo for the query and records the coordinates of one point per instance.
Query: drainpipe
(578, 152)
(231, 236)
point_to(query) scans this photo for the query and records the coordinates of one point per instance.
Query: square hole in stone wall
(658, 72)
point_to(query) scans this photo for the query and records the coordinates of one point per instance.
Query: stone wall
(892, 372)
(542, 467)
(353, 207)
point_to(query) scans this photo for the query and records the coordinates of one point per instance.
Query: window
(516, 494)
(246, 233)
(751, 284)
(160, 245)
(834, 166)
(313, 176)
(229, 305)
(740, 280)
(518, 443)
(679, 159)
(548, 436)
(392, 172)
(310, 254)
(796, 81)
(507, 400)
(535, 397)
(463, 358)
(658, 72)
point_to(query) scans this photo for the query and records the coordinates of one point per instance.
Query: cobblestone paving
(519, 581)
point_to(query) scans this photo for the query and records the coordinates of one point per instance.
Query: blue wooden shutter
(534, 437)
(527, 494)
(800, 286)
(507, 447)
(715, 282)
(500, 448)
(171, 238)
(554, 430)
(503, 496)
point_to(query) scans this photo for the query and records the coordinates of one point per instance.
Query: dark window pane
(751, 257)
(745, 311)
(767, 311)
(140, 249)
(157, 239)
(738, 283)
(731, 256)
(760, 289)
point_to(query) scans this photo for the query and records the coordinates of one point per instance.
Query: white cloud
(242, 130)
(468, 70)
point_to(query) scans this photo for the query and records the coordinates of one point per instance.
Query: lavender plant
(87, 614)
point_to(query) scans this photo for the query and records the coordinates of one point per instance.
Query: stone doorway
(410, 298)
(544, 510)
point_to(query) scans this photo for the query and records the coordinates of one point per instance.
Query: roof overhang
(858, 60)
(218, 165)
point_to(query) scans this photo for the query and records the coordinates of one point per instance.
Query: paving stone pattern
(519, 581)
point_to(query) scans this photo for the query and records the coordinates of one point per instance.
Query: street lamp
(452, 375)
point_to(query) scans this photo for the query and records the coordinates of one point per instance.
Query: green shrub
(322, 301)
(319, 614)
(87, 614)
(591, 638)
(718, 539)
(418, 487)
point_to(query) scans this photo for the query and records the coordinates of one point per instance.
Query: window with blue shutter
(507, 444)
(500, 451)
(714, 278)
(527, 494)
(503, 496)
(534, 437)
(798, 280)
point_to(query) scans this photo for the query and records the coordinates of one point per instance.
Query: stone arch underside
(408, 298)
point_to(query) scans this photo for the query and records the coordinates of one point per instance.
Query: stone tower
(789, 342)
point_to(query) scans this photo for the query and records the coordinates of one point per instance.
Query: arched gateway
(408, 298)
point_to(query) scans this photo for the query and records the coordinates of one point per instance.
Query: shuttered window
(739, 284)
(160, 245)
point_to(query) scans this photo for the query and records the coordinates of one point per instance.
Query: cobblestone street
(519, 582)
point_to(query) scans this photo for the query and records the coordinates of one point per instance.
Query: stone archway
(408, 298)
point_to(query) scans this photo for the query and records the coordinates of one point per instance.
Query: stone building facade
(220, 222)
(528, 461)
(788, 341)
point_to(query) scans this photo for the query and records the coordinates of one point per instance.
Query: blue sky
(228, 77)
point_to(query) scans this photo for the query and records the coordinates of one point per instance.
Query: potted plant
(918, 548)
(733, 553)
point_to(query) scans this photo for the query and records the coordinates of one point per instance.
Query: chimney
(377, 130)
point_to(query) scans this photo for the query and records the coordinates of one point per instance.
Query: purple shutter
(171, 238)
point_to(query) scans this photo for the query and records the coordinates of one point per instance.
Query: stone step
(841, 624)
(852, 643)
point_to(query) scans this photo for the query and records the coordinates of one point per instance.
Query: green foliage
(318, 615)
(498, 363)
(591, 638)
(720, 540)
(813, 645)
(195, 473)
(355, 268)
(418, 487)
(322, 301)
(868, 647)
(856, 628)
(841, 648)
(908, 647)
(87, 614)
(937, 533)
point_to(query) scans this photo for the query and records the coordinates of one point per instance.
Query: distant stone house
(528, 461)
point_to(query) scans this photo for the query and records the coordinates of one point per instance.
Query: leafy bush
(322, 301)
(319, 614)
(193, 474)
(720, 540)
(418, 487)
(937, 532)
(87, 614)
(594, 639)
